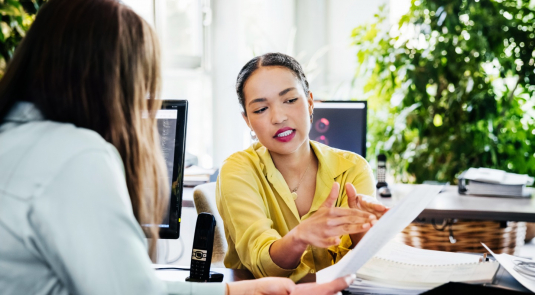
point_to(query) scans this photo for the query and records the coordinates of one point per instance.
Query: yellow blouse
(257, 207)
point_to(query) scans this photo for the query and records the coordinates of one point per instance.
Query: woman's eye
(291, 100)
(260, 110)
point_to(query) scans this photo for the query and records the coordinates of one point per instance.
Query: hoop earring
(253, 135)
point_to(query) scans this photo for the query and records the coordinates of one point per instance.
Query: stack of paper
(409, 270)
(360, 286)
(195, 175)
(492, 182)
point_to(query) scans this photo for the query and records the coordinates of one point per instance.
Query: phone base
(214, 277)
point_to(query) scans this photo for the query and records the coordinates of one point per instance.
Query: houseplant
(16, 18)
(451, 86)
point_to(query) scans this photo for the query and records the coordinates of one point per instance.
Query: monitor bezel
(175, 204)
(333, 103)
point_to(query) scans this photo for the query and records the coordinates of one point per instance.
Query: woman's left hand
(370, 205)
(363, 202)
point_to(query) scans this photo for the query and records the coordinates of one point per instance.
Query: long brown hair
(96, 64)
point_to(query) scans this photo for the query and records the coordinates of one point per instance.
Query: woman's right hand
(324, 228)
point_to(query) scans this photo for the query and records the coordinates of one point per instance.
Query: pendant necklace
(294, 191)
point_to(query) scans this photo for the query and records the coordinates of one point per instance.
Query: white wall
(316, 32)
(343, 16)
(324, 45)
(241, 29)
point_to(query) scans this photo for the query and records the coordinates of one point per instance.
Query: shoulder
(64, 141)
(34, 153)
(243, 168)
(244, 161)
(58, 137)
(74, 138)
(344, 158)
(347, 166)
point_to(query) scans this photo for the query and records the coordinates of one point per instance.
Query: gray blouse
(66, 221)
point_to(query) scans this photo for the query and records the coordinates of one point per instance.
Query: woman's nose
(277, 115)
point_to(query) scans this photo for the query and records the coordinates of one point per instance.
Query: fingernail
(339, 293)
(350, 278)
(366, 225)
(374, 222)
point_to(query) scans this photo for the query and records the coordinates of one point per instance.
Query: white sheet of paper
(393, 222)
(399, 252)
(507, 261)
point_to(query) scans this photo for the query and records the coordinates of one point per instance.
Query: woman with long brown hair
(80, 166)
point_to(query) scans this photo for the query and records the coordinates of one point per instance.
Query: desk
(445, 205)
(449, 204)
(230, 275)
(503, 278)
(187, 197)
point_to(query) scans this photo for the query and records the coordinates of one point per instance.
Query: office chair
(204, 198)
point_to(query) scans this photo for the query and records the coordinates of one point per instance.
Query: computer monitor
(171, 121)
(340, 124)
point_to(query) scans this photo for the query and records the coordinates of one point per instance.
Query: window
(182, 27)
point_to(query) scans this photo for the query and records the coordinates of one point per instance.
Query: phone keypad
(198, 262)
(197, 270)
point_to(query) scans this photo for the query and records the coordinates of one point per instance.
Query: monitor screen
(171, 121)
(340, 124)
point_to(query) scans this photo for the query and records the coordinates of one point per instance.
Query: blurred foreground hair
(96, 64)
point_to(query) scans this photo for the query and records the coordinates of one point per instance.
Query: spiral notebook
(400, 265)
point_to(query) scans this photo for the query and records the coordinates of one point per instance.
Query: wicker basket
(465, 236)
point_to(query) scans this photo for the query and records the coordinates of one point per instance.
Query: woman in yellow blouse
(289, 205)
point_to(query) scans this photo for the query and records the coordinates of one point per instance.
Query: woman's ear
(310, 100)
(244, 116)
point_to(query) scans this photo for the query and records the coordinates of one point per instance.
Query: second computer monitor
(340, 124)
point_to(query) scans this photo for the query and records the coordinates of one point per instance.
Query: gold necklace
(294, 191)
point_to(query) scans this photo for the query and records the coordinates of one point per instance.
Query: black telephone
(382, 186)
(201, 255)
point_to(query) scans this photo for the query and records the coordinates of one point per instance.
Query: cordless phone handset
(203, 243)
(382, 186)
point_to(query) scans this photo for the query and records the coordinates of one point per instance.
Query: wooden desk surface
(450, 204)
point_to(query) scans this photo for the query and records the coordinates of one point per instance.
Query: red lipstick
(285, 134)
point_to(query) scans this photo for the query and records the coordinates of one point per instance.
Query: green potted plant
(451, 86)
(17, 16)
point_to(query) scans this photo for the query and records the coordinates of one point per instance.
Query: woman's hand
(370, 205)
(285, 286)
(330, 288)
(324, 228)
(363, 202)
(264, 286)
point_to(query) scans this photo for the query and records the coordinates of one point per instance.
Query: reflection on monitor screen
(166, 121)
(171, 121)
(340, 124)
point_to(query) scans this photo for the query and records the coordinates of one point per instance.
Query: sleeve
(242, 207)
(86, 231)
(361, 176)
